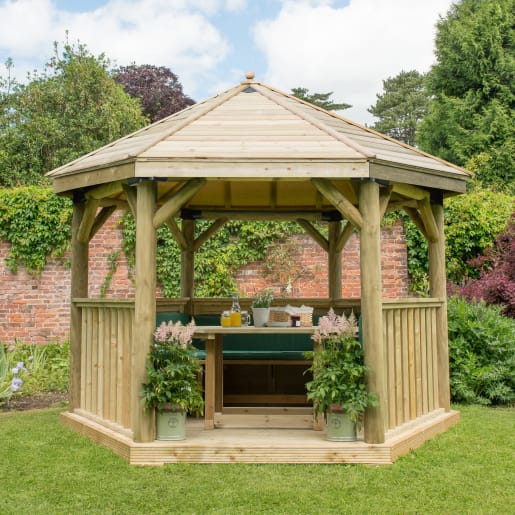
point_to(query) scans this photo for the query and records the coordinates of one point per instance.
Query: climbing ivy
(217, 261)
(36, 223)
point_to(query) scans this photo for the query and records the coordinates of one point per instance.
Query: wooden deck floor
(235, 443)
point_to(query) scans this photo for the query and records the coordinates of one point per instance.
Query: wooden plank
(389, 338)
(100, 363)
(405, 367)
(346, 208)
(83, 363)
(418, 358)
(397, 338)
(412, 366)
(434, 331)
(94, 360)
(113, 361)
(127, 374)
(371, 310)
(120, 354)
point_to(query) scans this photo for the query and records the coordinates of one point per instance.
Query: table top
(250, 329)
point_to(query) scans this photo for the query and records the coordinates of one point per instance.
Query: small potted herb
(173, 387)
(261, 307)
(338, 388)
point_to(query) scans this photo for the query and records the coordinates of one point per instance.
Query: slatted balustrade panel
(409, 329)
(107, 333)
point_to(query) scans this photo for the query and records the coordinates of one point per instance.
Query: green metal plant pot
(171, 425)
(340, 428)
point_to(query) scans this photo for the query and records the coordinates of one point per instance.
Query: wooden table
(213, 337)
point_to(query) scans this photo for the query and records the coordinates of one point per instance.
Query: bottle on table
(235, 311)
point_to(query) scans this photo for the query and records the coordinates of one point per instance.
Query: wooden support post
(437, 283)
(188, 261)
(371, 310)
(334, 262)
(79, 289)
(143, 423)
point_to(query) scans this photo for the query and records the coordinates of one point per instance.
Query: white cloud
(348, 50)
(176, 34)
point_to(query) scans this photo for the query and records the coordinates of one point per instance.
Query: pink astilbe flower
(332, 326)
(175, 333)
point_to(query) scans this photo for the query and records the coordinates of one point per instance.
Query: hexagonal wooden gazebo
(253, 152)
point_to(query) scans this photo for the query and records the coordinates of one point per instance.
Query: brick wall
(35, 309)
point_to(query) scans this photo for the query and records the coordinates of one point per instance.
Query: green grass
(45, 468)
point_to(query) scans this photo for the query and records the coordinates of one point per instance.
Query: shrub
(482, 353)
(496, 284)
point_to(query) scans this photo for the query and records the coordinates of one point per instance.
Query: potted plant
(173, 387)
(338, 388)
(261, 307)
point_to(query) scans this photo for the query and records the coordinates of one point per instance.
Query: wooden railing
(107, 337)
(409, 328)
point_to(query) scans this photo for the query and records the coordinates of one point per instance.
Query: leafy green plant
(173, 370)
(263, 299)
(37, 224)
(338, 369)
(481, 352)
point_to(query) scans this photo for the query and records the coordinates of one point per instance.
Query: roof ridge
(262, 88)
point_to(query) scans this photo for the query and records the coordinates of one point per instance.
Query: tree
(470, 119)
(402, 106)
(158, 89)
(319, 99)
(71, 108)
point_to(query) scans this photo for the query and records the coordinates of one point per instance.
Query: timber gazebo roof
(255, 133)
(253, 152)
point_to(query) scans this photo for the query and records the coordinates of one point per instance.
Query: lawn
(45, 468)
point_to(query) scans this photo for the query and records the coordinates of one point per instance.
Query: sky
(345, 46)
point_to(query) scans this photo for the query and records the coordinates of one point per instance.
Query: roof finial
(250, 75)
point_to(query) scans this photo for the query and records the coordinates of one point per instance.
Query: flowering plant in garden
(173, 370)
(338, 368)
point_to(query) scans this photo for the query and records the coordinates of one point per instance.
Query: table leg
(219, 374)
(210, 384)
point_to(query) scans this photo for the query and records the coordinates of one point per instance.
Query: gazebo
(254, 152)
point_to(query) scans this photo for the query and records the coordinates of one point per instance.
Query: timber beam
(177, 233)
(426, 214)
(314, 233)
(407, 190)
(177, 201)
(210, 231)
(339, 201)
(347, 232)
(88, 219)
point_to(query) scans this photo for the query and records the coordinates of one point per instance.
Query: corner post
(143, 423)
(188, 262)
(372, 309)
(79, 289)
(335, 261)
(438, 289)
